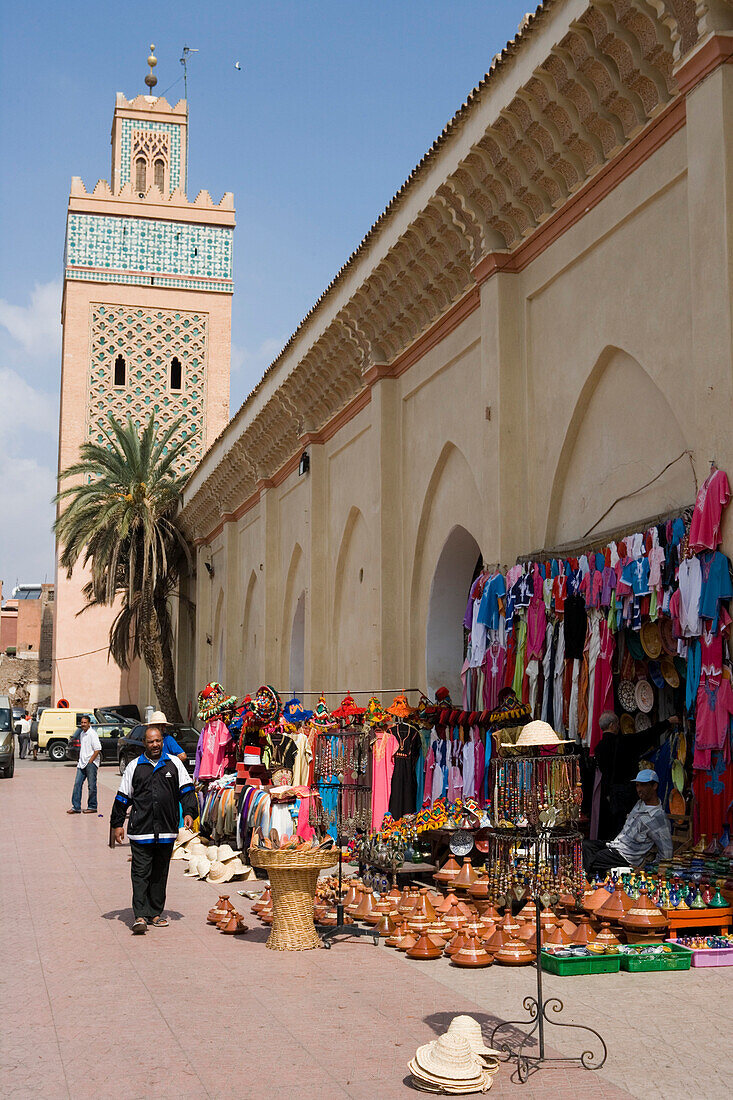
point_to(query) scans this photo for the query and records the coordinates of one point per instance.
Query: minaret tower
(146, 315)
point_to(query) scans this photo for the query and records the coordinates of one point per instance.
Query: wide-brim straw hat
(651, 639)
(535, 734)
(425, 1082)
(218, 872)
(157, 718)
(192, 870)
(194, 851)
(185, 836)
(669, 672)
(449, 1059)
(225, 852)
(470, 1029)
(237, 867)
(212, 852)
(203, 866)
(179, 853)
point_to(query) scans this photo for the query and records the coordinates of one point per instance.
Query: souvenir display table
(681, 920)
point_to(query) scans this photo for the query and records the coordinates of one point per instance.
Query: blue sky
(334, 104)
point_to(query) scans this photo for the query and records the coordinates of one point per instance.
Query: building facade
(146, 316)
(531, 348)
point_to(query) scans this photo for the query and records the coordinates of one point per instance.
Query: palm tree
(119, 519)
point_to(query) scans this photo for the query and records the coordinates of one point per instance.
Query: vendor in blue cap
(646, 827)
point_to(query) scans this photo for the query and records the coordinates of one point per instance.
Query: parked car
(56, 728)
(131, 746)
(7, 740)
(109, 737)
(121, 714)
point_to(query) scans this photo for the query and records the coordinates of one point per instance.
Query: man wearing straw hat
(153, 786)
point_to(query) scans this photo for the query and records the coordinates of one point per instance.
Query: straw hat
(449, 1062)
(237, 867)
(212, 852)
(218, 872)
(192, 870)
(225, 852)
(471, 1029)
(194, 851)
(179, 853)
(185, 836)
(535, 734)
(670, 672)
(157, 718)
(202, 866)
(651, 639)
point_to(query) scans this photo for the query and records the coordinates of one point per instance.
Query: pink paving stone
(185, 1012)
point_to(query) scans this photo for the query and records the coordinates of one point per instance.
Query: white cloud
(37, 326)
(26, 492)
(25, 407)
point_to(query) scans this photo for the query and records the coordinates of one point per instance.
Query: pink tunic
(603, 693)
(712, 497)
(215, 738)
(383, 751)
(712, 717)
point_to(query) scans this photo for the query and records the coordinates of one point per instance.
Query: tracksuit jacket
(155, 792)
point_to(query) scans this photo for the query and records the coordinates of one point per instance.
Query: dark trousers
(149, 873)
(24, 743)
(598, 857)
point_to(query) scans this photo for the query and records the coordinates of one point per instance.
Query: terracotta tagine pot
(447, 872)
(395, 894)
(235, 926)
(614, 907)
(557, 937)
(409, 902)
(455, 943)
(510, 925)
(514, 953)
(606, 938)
(595, 899)
(423, 906)
(528, 932)
(424, 948)
(385, 926)
(222, 907)
(351, 897)
(266, 915)
(643, 916)
(471, 955)
(479, 890)
(569, 928)
(400, 929)
(584, 933)
(568, 902)
(265, 900)
(548, 919)
(446, 904)
(466, 876)
(418, 924)
(455, 919)
(441, 930)
(406, 941)
(366, 906)
(492, 913)
(527, 912)
(487, 927)
(496, 941)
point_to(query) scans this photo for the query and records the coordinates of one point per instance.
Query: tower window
(140, 174)
(176, 373)
(159, 171)
(119, 373)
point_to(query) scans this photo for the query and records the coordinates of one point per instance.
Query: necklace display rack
(535, 848)
(353, 807)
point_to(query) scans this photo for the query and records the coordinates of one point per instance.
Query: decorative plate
(461, 843)
(627, 695)
(644, 694)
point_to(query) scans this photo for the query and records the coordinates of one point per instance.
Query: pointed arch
(251, 645)
(452, 501)
(294, 586)
(608, 453)
(454, 571)
(219, 636)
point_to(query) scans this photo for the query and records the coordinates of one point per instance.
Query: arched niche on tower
(623, 457)
(355, 631)
(295, 587)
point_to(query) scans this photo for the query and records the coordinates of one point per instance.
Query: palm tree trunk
(159, 662)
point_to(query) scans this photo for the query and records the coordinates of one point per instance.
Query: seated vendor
(646, 827)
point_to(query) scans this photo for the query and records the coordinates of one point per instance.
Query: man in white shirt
(90, 752)
(24, 734)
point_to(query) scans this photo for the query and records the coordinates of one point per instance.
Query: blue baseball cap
(646, 775)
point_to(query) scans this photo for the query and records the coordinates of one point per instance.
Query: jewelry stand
(341, 927)
(537, 1007)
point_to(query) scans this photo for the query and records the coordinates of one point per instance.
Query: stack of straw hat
(207, 861)
(457, 1062)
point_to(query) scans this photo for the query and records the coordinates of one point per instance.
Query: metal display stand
(542, 1011)
(341, 927)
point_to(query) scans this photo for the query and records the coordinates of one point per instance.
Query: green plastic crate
(679, 958)
(583, 964)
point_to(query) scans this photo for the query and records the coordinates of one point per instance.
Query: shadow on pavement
(126, 915)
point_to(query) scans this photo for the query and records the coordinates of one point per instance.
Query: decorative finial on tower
(151, 79)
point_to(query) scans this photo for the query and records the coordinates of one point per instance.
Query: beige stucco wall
(576, 381)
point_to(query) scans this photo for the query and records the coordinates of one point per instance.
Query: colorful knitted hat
(348, 709)
(401, 708)
(376, 715)
(213, 700)
(322, 717)
(295, 712)
(266, 705)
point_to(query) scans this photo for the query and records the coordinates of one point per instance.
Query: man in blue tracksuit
(153, 785)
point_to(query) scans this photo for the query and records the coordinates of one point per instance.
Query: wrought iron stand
(341, 927)
(541, 1012)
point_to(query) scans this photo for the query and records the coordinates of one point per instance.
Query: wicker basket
(293, 877)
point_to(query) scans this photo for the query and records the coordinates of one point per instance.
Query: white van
(57, 725)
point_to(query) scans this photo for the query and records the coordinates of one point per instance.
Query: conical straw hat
(470, 1029)
(535, 734)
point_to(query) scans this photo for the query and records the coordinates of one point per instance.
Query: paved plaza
(91, 1012)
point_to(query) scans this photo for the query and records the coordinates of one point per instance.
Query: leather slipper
(159, 922)
(88, 811)
(140, 927)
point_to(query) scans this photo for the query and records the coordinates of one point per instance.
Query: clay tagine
(222, 907)
(455, 919)
(423, 906)
(447, 872)
(235, 926)
(596, 898)
(514, 953)
(408, 903)
(569, 928)
(556, 938)
(584, 933)
(424, 948)
(528, 933)
(510, 925)
(614, 907)
(352, 897)
(643, 916)
(455, 943)
(496, 940)
(400, 929)
(265, 900)
(446, 904)
(605, 939)
(466, 876)
(405, 942)
(471, 954)
(385, 926)
(366, 906)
